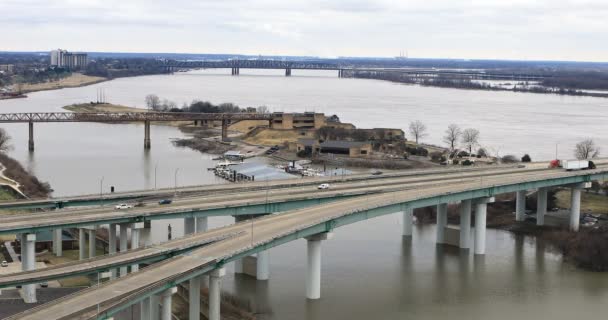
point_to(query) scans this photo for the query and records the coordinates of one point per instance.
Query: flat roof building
(70, 60)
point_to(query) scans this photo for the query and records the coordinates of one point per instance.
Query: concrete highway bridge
(277, 215)
(288, 66)
(114, 117)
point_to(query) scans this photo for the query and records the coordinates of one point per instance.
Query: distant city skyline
(567, 30)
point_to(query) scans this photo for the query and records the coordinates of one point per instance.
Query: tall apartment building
(63, 58)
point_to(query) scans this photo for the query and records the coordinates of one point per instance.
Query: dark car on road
(165, 201)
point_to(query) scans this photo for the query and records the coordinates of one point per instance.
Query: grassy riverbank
(72, 81)
(28, 183)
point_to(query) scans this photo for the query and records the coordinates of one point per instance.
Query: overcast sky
(495, 29)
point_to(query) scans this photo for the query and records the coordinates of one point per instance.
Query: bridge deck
(276, 229)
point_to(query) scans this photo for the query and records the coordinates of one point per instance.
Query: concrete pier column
(123, 245)
(135, 229)
(194, 296)
(28, 263)
(313, 271)
(520, 206)
(30, 142)
(408, 221)
(238, 266)
(202, 224)
(145, 239)
(215, 286)
(288, 72)
(224, 130)
(58, 242)
(575, 207)
(144, 309)
(92, 240)
(481, 210)
(82, 240)
(465, 224)
(189, 226)
(154, 307)
(442, 221)
(167, 301)
(541, 206)
(112, 244)
(147, 143)
(263, 265)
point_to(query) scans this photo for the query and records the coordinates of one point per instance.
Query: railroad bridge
(114, 117)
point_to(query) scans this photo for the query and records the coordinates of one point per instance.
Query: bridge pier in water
(288, 72)
(520, 205)
(541, 206)
(442, 222)
(465, 224)
(28, 263)
(147, 143)
(313, 271)
(236, 71)
(408, 222)
(30, 142)
(481, 210)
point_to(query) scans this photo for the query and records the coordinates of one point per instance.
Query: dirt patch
(75, 80)
(100, 107)
(378, 163)
(203, 145)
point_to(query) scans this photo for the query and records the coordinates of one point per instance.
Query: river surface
(369, 271)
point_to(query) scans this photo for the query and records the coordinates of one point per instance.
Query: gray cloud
(516, 29)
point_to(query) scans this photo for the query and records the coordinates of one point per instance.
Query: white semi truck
(571, 165)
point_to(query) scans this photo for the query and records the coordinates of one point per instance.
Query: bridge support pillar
(194, 298)
(154, 307)
(224, 130)
(123, 245)
(92, 239)
(480, 224)
(340, 73)
(215, 286)
(465, 224)
(30, 143)
(263, 265)
(189, 226)
(135, 229)
(575, 207)
(28, 263)
(147, 143)
(202, 224)
(408, 217)
(112, 245)
(520, 206)
(82, 241)
(288, 72)
(144, 309)
(541, 206)
(442, 221)
(144, 235)
(58, 242)
(167, 301)
(313, 271)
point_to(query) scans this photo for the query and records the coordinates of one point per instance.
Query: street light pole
(155, 167)
(175, 179)
(101, 190)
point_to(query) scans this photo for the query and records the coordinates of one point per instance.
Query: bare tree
(418, 130)
(5, 140)
(153, 102)
(470, 138)
(586, 149)
(263, 109)
(452, 134)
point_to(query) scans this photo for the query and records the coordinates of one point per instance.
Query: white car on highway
(123, 206)
(323, 186)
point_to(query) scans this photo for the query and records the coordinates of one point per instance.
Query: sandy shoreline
(73, 81)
